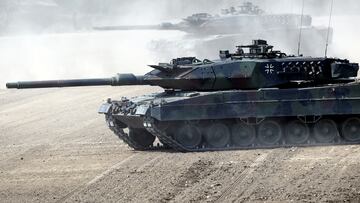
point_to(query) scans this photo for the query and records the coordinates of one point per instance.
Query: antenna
(328, 31)
(301, 23)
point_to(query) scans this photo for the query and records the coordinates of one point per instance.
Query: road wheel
(325, 131)
(350, 129)
(297, 132)
(188, 135)
(243, 135)
(141, 137)
(218, 135)
(269, 132)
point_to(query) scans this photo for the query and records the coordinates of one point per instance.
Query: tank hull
(269, 117)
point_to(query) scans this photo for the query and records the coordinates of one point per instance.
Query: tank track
(120, 133)
(175, 145)
(168, 142)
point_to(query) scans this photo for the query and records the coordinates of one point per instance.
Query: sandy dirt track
(54, 147)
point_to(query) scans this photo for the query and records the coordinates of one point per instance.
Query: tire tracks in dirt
(96, 178)
(242, 177)
(249, 181)
(270, 169)
(318, 173)
(21, 154)
(197, 171)
(336, 170)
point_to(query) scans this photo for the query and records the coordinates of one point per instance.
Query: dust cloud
(66, 47)
(77, 55)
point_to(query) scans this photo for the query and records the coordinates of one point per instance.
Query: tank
(231, 21)
(239, 25)
(256, 97)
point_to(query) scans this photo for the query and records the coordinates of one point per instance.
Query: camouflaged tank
(253, 98)
(246, 18)
(238, 24)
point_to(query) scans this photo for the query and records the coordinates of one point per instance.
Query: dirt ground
(54, 147)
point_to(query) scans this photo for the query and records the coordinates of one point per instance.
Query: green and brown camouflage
(255, 97)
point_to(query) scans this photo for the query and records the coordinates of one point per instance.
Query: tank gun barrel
(163, 26)
(128, 27)
(118, 80)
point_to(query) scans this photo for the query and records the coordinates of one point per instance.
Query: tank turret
(245, 8)
(252, 66)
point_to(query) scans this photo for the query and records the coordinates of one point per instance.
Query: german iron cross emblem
(269, 69)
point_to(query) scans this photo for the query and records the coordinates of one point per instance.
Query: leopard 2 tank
(253, 98)
(246, 18)
(236, 24)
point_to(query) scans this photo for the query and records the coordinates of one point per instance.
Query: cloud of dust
(77, 55)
